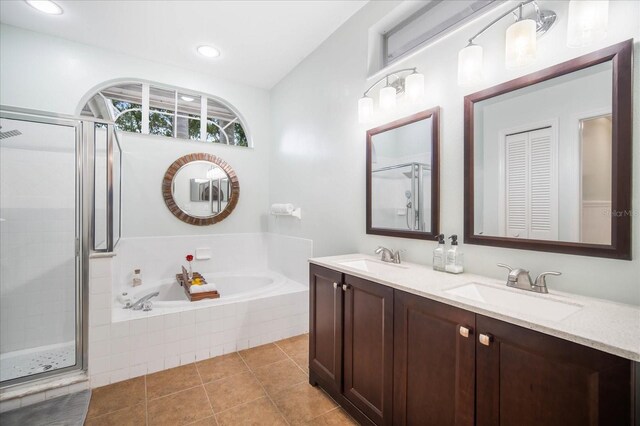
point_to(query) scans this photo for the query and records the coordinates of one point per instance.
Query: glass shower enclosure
(56, 205)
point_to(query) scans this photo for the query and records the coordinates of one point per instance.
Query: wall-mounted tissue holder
(286, 210)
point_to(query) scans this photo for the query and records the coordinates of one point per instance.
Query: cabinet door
(368, 351)
(325, 326)
(528, 378)
(434, 363)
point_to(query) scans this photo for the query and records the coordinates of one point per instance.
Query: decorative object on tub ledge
(195, 292)
(189, 259)
(395, 84)
(286, 209)
(200, 189)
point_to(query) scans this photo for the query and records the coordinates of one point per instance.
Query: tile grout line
(146, 403)
(307, 375)
(292, 360)
(263, 388)
(206, 393)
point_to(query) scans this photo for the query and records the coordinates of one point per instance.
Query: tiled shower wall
(37, 247)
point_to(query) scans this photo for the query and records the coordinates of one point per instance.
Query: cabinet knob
(465, 331)
(485, 339)
(335, 285)
(345, 287)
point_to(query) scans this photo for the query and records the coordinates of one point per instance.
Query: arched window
(153, 109)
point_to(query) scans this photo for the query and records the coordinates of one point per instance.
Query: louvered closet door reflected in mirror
(529, 199)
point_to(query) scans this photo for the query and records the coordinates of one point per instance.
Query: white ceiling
(260, 41)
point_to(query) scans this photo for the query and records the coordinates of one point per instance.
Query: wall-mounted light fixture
(520, 43)
(411, 84)
(587, 22)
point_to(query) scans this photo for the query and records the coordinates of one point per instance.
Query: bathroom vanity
(403, 344)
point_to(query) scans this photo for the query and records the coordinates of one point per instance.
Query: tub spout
(139, 304)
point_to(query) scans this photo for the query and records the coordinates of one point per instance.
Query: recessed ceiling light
(187, 98)
(46, 6)
(208, 51)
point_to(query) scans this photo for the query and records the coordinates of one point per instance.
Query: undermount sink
(369, 265)
(533, 305)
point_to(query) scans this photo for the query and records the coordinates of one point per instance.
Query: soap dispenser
(439, 254)
(454, 262)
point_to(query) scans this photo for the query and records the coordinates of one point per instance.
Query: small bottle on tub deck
(137, 278)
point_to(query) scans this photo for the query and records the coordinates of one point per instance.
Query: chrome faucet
(520, 278)
(143, 302)
(389, 255)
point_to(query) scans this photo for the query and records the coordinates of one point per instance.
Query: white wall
(318, 149)
(51, 74)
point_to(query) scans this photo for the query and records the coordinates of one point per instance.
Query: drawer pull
(465, 331)
(485, 339)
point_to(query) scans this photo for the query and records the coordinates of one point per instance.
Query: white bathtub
(233, 287)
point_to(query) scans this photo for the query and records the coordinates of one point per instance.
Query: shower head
(10, 133)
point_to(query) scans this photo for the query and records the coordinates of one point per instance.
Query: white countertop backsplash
(607, 326)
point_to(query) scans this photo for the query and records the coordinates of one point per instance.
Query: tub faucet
(388, 255)
(140, 304)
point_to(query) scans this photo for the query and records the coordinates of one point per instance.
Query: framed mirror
(548, 159)
(403, 177)
(200, 189)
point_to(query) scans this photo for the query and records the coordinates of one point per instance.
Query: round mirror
(200, 189)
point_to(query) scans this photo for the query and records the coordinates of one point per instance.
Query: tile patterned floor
(266, 385)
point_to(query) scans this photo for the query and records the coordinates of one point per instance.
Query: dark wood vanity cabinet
(325, 324)
(434, 363)
(391, 357)
(351, 343)
(528, 378)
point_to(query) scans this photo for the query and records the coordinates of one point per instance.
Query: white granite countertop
(607, 326)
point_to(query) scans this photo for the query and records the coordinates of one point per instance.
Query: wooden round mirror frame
(173, 207)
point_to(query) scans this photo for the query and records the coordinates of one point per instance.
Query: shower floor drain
(38, 360)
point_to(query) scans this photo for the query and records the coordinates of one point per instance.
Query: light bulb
(470, 61)
(587, 22)
(521, 44)
(414, 86)
(387, 98)
(365, 109)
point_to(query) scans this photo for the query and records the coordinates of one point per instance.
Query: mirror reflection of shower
(410, 179)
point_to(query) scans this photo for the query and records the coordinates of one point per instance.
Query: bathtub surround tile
(232, 391)
(171, 381)
(262, 355)
(117, 396)
(302, 403)
(258, 412)
(279, 376)
(181, 408)
(130, 416)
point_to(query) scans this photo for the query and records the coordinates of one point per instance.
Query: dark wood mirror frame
(192, 220)
(434, 114)
(620, 248)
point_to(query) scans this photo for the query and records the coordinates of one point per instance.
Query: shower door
(40, 277)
